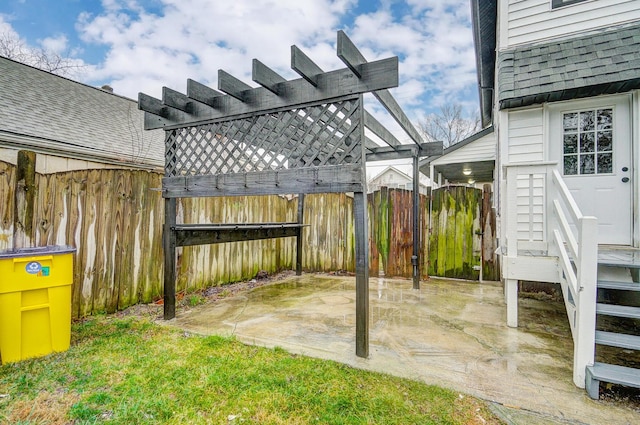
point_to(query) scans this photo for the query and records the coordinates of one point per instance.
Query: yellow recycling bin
(35, 301)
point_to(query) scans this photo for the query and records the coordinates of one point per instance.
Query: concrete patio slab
(448, 333)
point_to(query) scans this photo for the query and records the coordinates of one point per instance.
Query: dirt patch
(209, 295)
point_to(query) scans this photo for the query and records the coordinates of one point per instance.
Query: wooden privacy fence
(390, 232)
(462, 240)
(114, 218)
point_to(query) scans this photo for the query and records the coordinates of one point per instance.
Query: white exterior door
(591, 141)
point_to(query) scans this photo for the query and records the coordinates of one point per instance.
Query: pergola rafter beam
(379, 130)
(204, 94)
(383, 153)
(266, 77)
(351, 56)
(177, 100)
(233, 86)
(332, 86)
(304, 66)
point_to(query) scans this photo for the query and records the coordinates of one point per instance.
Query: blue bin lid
(38, 250)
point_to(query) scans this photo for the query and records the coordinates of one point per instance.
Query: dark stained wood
(169, 243)
(331, 85)
(266, 77)
(232, 86)
(177, 100)
(390, 104)
(199, 234)
(362, 274)
(415, 215)
(379, 130)
(383, 153)
(304, 66)
(349, 54)
(299, 254)
(203, 94)
(339, 178)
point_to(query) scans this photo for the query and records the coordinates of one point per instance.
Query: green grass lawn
(132, 371)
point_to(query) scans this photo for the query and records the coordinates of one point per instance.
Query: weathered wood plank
(232, 86)
(266, 77)
(7, 199)
(390, 104)
(331, 85)
(362, 274)
(340, 178)
(24, 199)
(203, 94)
(303, 65)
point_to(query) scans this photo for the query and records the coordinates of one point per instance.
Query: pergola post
(169, 244)
(415, 258)
(362, 273)
(299, 236)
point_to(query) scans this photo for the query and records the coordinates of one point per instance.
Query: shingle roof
(598, 63)
(58, 115)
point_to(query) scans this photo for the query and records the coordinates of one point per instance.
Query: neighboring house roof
(52, 114)
(474, 155)
(590, 65)
(484, 19)
(390, 176)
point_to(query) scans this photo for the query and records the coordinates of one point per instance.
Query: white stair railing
(578, 262)
(567, 234)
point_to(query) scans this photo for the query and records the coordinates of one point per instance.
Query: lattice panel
(327, 134)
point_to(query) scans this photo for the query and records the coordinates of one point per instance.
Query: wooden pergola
(286, 137)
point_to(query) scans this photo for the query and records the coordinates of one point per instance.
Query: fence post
(25, 195)
(584, 335)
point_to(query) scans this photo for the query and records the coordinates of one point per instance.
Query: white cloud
(195, 38)
(57, 44)
(154, 43)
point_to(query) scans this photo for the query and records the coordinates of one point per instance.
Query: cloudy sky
(142, 45)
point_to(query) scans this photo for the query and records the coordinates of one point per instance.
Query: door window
(588, 142)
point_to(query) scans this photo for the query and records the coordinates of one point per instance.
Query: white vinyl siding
(483, 149)
(529, 21)
(525, 140)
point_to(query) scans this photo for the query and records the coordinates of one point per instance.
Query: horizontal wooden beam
(304, 66)
(390, 104)
(384, 153)
(202, 234)
(203, 94)
(349, 53)
(232, 86)
(379, 130)
(266, 77)
(351, 56)
(332, 86)
(327, 179)
(177, 100)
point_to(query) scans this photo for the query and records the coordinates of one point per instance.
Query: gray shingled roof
(42, 111)
(598, 63)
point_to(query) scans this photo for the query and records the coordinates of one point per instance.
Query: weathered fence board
(462, 233)
(115, 217)
(391, 227)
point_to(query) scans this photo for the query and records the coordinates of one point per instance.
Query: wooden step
(620, 286)
(614, 374)
(612, 339)
(618, 310)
